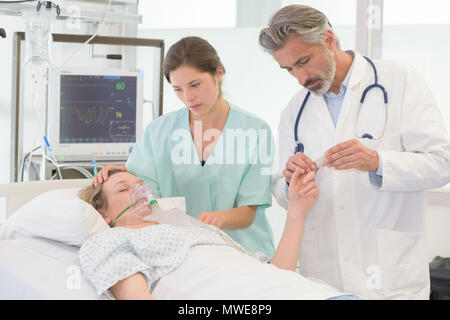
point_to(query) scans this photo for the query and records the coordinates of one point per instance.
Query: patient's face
(115, 191)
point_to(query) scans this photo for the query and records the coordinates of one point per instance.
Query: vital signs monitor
(94, 112)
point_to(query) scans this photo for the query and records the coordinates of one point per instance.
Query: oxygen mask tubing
(142, 202)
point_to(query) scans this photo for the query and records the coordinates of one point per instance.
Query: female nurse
(214, 154)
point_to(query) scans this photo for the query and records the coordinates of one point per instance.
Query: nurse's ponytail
(195, 52)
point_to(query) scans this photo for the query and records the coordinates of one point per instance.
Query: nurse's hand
(215, 218)
(303, 193)
(352, 154)
(300, 161)
(102, 175)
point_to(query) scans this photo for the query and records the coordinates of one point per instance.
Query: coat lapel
(345, 123)
(319, 107)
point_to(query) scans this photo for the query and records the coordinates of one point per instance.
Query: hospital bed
(38, 268)
(39, 245)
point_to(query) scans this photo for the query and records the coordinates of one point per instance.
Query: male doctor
(366, 232)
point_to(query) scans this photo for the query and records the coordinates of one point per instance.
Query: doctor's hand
(303, 193)
(352, 154)
(300, 161)
(102, 175)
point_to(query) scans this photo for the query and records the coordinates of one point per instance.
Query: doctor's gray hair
(308, 23)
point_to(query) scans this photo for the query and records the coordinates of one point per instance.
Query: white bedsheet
(246, 278)
(36, 268)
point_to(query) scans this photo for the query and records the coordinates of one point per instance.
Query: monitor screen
(94, 112)
(97, 109)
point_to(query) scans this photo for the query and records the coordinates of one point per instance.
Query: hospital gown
(116, 254)
(190, 263)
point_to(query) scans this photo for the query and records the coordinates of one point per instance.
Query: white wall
(407, 12)
(175, 14)
(438, 227)
(430, 58)
(339, 12)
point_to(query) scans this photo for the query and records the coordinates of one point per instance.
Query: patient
(142, 259)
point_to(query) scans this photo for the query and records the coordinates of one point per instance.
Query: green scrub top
(236, 173)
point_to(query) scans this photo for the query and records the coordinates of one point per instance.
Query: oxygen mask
(141, 200)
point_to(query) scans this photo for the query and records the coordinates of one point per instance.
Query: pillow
(61, 216)
(57, 215)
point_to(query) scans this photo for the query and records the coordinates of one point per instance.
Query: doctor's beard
(324, 83)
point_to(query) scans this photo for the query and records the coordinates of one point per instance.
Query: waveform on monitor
(88, 115)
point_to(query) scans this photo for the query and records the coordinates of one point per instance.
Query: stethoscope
(299, 147)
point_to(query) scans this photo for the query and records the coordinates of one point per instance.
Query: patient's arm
(288, 250)
(302, 195)
(235, 218)
(132, 288)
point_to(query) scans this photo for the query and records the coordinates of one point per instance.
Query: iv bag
(38, 36)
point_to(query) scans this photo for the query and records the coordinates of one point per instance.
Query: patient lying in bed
(191, 260)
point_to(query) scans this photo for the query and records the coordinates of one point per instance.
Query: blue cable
(94, 165)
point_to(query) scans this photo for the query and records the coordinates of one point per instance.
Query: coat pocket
(389, 141)
(403, 261)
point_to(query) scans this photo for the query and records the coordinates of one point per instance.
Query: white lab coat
(359, 238)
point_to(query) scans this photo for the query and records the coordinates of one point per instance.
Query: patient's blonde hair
(94, 195)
